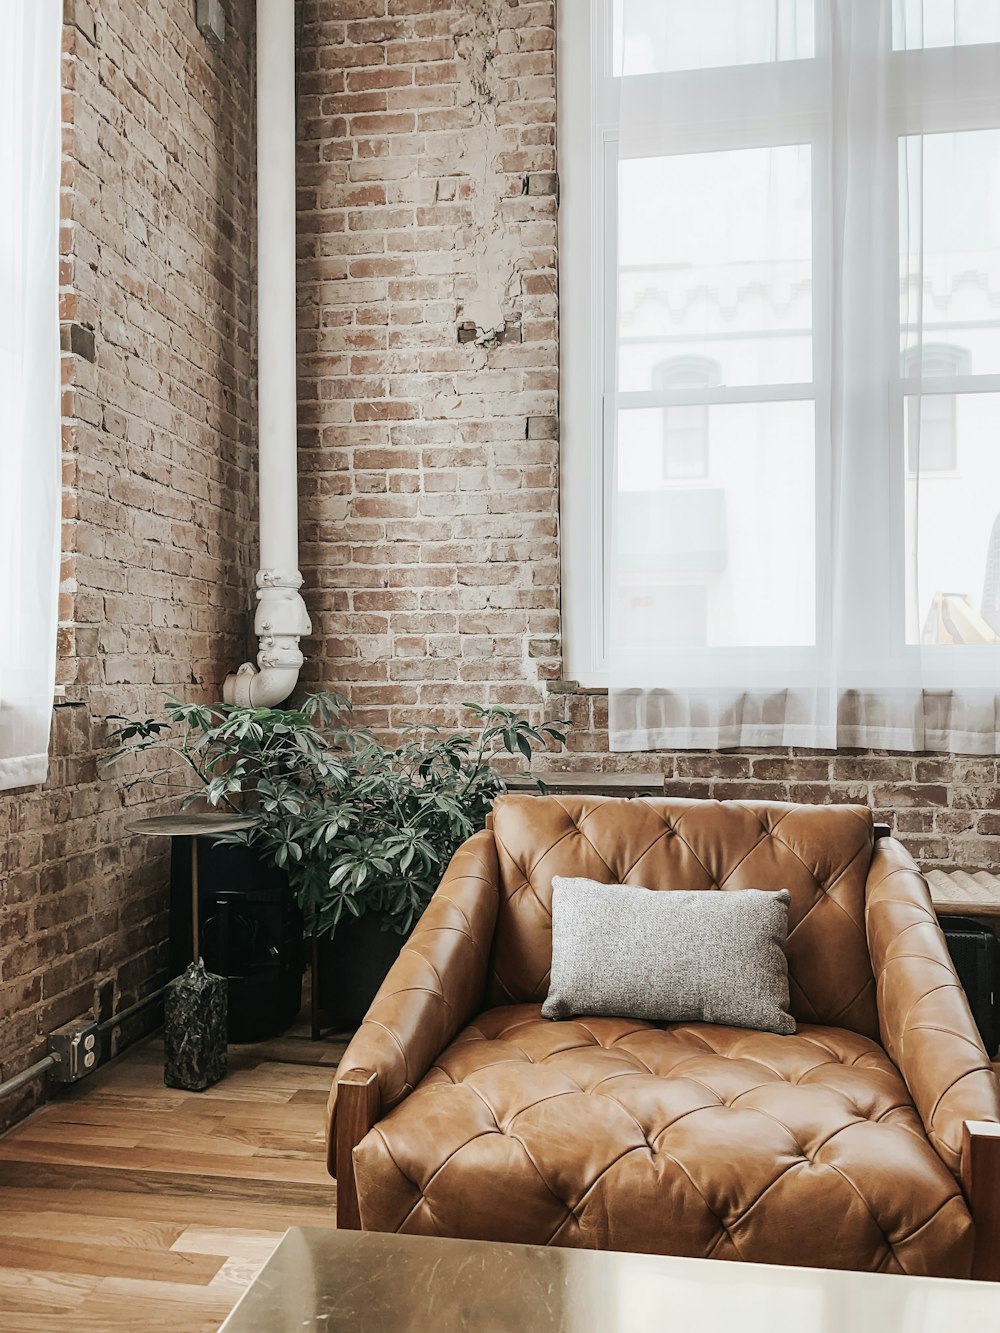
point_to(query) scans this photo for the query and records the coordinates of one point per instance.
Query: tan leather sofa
(868, 1140)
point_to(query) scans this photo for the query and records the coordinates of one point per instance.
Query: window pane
(728, 559)
(663, 36)
(715, 266)
(953, 527)
(920, 24)
(950, 253)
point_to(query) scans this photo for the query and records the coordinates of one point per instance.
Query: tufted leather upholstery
(699, 1140)
(688, 1139)
(924, 1015)
(436, 984)
(822, 858)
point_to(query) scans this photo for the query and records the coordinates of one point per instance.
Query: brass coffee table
(366, 1282)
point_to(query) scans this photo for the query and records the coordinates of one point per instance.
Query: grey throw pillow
(677, 955)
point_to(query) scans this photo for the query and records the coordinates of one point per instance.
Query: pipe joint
(281, 620)
(276, 578)
(281, 612)
(250, 688)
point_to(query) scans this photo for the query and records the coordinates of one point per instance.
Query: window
(30, 102)
(794, 310)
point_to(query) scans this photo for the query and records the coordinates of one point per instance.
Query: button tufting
(599, 1117)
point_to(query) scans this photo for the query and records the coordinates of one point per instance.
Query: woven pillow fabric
(678, 956)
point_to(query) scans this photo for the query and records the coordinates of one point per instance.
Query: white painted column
(281, 616)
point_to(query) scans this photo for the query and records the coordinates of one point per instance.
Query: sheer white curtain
(30, 116)
(804, 367)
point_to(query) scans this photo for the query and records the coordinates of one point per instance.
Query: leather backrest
(821, 854)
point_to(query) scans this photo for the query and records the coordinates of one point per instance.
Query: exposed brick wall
(429, 357)
(428, 309)
(159, 525)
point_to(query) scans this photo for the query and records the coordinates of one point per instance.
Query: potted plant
(363, 829)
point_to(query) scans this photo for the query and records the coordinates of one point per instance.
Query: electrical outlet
(75, 1047)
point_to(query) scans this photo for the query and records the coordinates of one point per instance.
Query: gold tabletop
(366, 1282)
(191, 826)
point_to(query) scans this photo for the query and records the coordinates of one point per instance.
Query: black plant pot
(351, 966)
(251, 933)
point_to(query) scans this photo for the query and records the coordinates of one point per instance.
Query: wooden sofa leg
(981, 1182)
(357, 1111)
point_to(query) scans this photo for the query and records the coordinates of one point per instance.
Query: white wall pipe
(281, 617)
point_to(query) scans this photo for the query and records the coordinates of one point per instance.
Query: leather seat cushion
(688, 1139)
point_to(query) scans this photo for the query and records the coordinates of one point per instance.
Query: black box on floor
(973, 949)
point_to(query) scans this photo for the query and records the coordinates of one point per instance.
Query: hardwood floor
(125, 1205)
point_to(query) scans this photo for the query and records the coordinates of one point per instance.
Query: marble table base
(194, 1030)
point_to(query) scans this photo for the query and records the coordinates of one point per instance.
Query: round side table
(195, 1003)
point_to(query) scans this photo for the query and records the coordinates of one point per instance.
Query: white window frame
(584, 44)
(587, 140)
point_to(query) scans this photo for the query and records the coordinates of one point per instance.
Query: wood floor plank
(231, 1113)
(237, 1272)
(126, 1232)
(223, 1287)
(126, 1102)
(255, 1246)
(195, 1162)
(283, 1142)
(47, 1255)
(174, 1208)
(148, 1181)
(195, 1143)
(310, 1096)
(27, 1292)
(279, 1078)
(156, 1307)
(104, 1136)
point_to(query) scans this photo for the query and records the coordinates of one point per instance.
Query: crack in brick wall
(489, 298)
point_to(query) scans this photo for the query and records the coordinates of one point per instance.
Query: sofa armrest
(433, 989)
(924, 1018)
